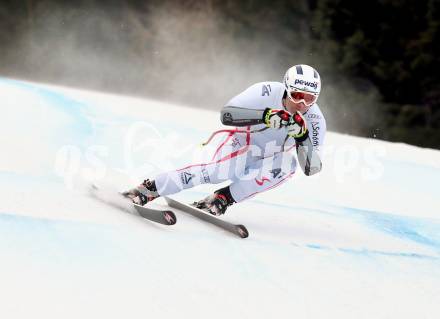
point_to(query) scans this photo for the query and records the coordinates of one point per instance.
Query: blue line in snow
(422, 231)
(62, 242)
(367, 252)
(372, 252)
(74, 109)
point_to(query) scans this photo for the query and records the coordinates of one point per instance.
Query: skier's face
(293, 107)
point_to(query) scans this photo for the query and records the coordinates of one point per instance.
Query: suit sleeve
(308, 157)
(248, 107)
(309, 151)
(238, 116)
(317, 130)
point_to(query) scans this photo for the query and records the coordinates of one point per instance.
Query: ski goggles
(299, 96)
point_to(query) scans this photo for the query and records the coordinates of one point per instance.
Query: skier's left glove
(297, 127)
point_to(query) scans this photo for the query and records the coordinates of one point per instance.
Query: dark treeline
(379, 60)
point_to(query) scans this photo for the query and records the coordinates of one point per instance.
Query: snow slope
(361, 240)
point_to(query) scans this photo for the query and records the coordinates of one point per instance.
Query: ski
(238, 230)
(164, 217)
(119, 201)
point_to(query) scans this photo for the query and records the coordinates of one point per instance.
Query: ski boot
(217, 203)
(144, 193)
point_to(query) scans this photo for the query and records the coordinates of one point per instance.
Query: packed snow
(360, 240)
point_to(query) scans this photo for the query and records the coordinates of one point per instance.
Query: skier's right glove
(276, 118)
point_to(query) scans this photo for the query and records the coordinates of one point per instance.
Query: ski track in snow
(318, 247)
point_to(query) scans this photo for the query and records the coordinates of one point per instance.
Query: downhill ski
(117, 200)
(238, 230)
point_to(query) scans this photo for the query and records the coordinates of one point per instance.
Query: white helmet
(302, 78)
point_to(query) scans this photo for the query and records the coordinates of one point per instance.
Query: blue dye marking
(316, 246)
(363, 252)
(421, 231)
(63, 242)
(80, 127)
(367, 252)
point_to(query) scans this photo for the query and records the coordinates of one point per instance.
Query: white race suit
(253, 157)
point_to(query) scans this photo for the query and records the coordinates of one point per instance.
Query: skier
(278, 117)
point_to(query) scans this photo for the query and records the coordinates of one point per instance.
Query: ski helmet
(302, 83)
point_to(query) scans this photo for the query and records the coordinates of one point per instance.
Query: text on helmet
(306, 83)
